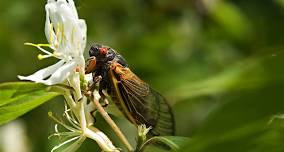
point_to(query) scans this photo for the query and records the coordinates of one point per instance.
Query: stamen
(44, 45)
(61, 123)
(62, 34)
(41, 57)
(57, 35)
(39, 47)
(56, 128)
(64, 143)
(66, 134)
(71, 120)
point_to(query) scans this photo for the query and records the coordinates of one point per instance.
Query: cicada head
(102, 57)
(101, 52)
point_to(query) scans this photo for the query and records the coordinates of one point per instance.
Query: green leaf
(242, 121)
(17, 98)
(164, 143)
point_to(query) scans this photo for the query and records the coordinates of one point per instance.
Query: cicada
(139, 103)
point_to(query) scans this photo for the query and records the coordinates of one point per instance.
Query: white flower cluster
(66, 34)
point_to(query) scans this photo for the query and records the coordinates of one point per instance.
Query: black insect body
(139, 103)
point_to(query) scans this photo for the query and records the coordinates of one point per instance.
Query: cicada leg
(97, 83)
(104, 97)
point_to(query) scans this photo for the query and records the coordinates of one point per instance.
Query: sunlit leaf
(17, 98)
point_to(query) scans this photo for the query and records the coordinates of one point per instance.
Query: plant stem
(112, 124)
(102, 140)
(104, 143)
(91, 132)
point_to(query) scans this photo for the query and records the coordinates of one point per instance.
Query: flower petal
(60, 74)
(68, 34)
(81, 35)
(70, 7)
(43, 73)
(49, 32)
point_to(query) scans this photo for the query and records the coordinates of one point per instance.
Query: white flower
(66, 34)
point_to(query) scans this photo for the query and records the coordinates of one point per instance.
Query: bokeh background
(219, 63)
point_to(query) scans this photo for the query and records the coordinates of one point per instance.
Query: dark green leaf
(241, 122)
(17, 98)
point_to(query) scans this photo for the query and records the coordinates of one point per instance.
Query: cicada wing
(145, 105)
(165, 122)
(152, 110)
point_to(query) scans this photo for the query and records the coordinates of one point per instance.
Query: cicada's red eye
(103, 50)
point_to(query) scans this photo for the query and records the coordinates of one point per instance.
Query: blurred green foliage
(219, 63)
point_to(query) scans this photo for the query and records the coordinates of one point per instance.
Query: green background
(218, 62)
